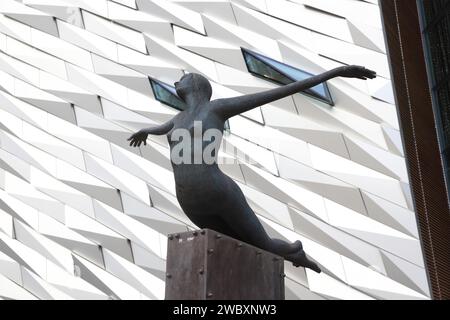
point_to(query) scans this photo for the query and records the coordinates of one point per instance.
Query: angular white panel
(35, 57)
(62, 49)
(29, 16)
(114, 32)
(173, 13)
(141, 280)
(87, 40)
(11, 290)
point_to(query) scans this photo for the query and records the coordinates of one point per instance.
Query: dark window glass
(435, 20)
(282, 73)
(168, 95)
(442, 95)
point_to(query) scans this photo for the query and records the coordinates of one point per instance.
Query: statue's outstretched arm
(230, 107)
(141, 136)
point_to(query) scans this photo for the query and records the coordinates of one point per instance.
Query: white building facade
(85, 216)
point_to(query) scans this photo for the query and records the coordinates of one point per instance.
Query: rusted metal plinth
(205, 265)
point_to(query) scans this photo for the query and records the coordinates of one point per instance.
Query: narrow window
(282, 73)
(435, 25)
(167, 95)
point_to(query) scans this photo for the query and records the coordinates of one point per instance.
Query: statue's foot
(301, 260)
(295, 247)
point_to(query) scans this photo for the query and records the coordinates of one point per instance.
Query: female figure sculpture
(208, 197)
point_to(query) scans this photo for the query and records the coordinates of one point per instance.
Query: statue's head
(194, 85)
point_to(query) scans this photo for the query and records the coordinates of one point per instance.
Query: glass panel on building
(435, 19)
(282, 73)
(167, 95)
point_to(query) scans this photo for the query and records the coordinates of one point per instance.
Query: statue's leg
(290, 248)
(263, 241)
(246, 225)
(250, 230)
(235, 214)
(251, 227)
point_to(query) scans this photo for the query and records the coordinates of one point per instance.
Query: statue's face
(193, 84)
(184, 85)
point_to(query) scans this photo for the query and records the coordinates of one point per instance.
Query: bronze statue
(208, 197)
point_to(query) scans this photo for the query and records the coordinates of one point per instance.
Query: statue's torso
(194, 143)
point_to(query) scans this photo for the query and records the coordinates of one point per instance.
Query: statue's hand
(137, 138)
(356, 72)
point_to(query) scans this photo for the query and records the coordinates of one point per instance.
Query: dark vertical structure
(419, 58)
